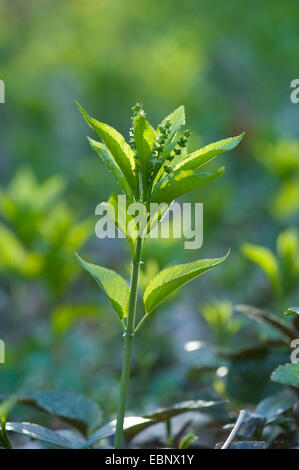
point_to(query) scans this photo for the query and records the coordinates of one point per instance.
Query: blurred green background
(231, 64)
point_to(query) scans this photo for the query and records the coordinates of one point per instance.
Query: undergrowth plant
(153, 167)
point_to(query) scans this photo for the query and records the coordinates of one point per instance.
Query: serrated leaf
(144, 136)
(287, 374)
(111, 164)
(116, 144)
(292, 311)
(34, 431)
(70, 407)
(171, 279)
(198, 158)
(132, 425)
(178, 183)
(266, 259)
(114, 286)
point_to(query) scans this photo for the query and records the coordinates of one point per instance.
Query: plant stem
(128, 345)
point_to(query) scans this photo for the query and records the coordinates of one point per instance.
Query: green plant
(153, 167)
(281, 268)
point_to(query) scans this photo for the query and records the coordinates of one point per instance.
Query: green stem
(128, 346)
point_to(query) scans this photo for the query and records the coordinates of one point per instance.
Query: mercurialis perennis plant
(154, 167)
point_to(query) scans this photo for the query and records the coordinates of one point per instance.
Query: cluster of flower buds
(177, 150)
(158, 149)
(137, 109)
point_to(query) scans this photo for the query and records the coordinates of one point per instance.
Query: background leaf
(34, 431)
(287, 375)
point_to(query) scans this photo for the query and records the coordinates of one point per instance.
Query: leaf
(112, 166)
(119, 215)
(244, 445)
(176, 184)
(292, 311)
(164, 414)
(251, 422)
(34, 431)
(144, 136)
(74, 437)
(71, 407)
(132, 425)
(116, 144)
(171, 279)
(65, 315)
(266, 259)
(287, 374)
(114, 286)
(188, 441)
(177, 120)
(200, 157)
(271, 407)
(266, 317)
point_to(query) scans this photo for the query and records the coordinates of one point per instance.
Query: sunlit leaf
(111, 164)
(171, 279)
(266, 259)
(132, 425)
(178, 183)
(200, 157)
(116, 144)
(34, 431)
(114, 286)
(188, 440)
(144, 136)
(176, 119)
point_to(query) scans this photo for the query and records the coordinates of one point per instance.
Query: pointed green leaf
(115, 287)
(178, 183)
(111, 164)
(177, 120)
(266, 259)
(144, 136)
(171, 279)
(116, 144)
(34, 431)
(287, 374)
(119, 215)
(188, 440)
(198, 158)
(132, 424)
